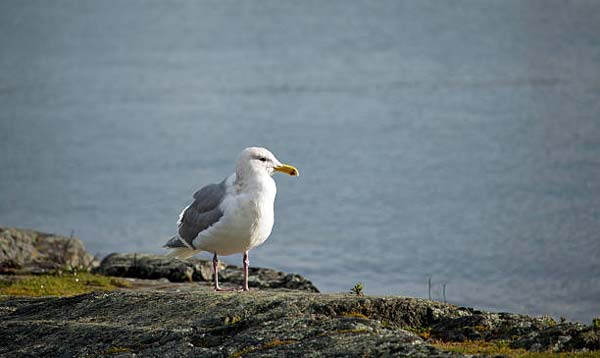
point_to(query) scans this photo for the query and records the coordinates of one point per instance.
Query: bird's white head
(260, 161)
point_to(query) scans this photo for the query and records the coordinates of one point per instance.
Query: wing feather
(201, 214)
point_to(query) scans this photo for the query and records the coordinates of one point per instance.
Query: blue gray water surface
(453, 140)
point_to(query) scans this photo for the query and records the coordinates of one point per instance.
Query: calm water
(455, 140)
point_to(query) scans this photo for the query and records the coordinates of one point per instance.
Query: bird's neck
(260, 183)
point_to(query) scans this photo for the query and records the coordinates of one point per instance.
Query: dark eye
(262, 159)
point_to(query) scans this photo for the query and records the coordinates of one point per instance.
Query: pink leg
(246, 263)
(216, 271)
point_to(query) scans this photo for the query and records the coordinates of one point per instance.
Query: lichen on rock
(199, 322)
(167, 308)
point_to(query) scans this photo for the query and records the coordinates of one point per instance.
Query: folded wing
(199, 215)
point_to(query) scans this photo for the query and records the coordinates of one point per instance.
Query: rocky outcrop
(562, 337)
(147, 266)
(193, 321)
(169, 310)
(31, 252)
(536, 334)
(188, 319)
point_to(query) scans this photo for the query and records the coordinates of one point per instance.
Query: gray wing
(199, 215)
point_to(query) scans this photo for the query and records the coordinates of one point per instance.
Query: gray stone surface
(148, 266)
(561, 337)
(188, 319)
(531, 333)
(194, 321)
(25, 251)
(171, 311)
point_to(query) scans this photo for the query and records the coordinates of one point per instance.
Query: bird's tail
(179, 248)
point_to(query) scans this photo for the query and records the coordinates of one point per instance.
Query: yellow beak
(288, 169)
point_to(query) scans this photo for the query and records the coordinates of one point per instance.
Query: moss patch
(501, 348)
(60, 285)
(354, 314)
(232, 320)
(272, 344)
(353, 330)
(117, 350)
(423, 332)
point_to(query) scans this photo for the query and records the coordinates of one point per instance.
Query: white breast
(247, 221)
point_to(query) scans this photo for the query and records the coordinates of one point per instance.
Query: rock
(562, 337)
(148, 266)
(32, 252)
(535, 334)
(199, 322)
(479, 325)
(170, 310)
(188, 319)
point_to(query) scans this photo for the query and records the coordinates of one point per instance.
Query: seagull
(233, 216)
